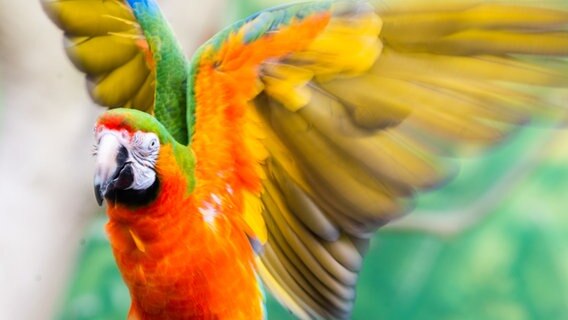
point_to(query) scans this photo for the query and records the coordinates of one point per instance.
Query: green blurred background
(491, 245)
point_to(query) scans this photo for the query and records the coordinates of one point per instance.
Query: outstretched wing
(334, 114)
(104, 40)
(129, 55)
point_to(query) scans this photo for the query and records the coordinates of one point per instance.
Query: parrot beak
(113, 171)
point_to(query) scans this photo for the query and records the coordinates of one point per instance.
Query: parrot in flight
(271, 157)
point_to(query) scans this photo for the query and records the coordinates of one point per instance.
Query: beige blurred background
(46, 117)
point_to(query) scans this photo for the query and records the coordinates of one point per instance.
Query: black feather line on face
(135, 198)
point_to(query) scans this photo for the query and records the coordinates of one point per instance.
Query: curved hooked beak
(113, 170)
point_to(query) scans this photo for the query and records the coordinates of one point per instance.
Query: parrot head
(128, 145)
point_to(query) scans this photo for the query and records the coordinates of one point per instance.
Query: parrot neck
(170, 65)
(183, 255)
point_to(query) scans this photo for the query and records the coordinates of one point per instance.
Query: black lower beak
(99, 195)
(121, 180)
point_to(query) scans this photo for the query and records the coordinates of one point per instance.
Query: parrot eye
(146, 143)
(152, 144)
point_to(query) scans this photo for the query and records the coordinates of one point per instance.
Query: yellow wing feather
(104, 41)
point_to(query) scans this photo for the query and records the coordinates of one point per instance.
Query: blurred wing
(104, 40)
(356, 109)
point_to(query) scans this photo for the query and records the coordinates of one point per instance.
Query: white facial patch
(144, 150)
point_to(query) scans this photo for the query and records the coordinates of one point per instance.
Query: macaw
(290, 137)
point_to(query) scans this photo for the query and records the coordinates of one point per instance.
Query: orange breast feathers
(183, 256)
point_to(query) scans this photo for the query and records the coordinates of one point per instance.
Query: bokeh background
(491, 245)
